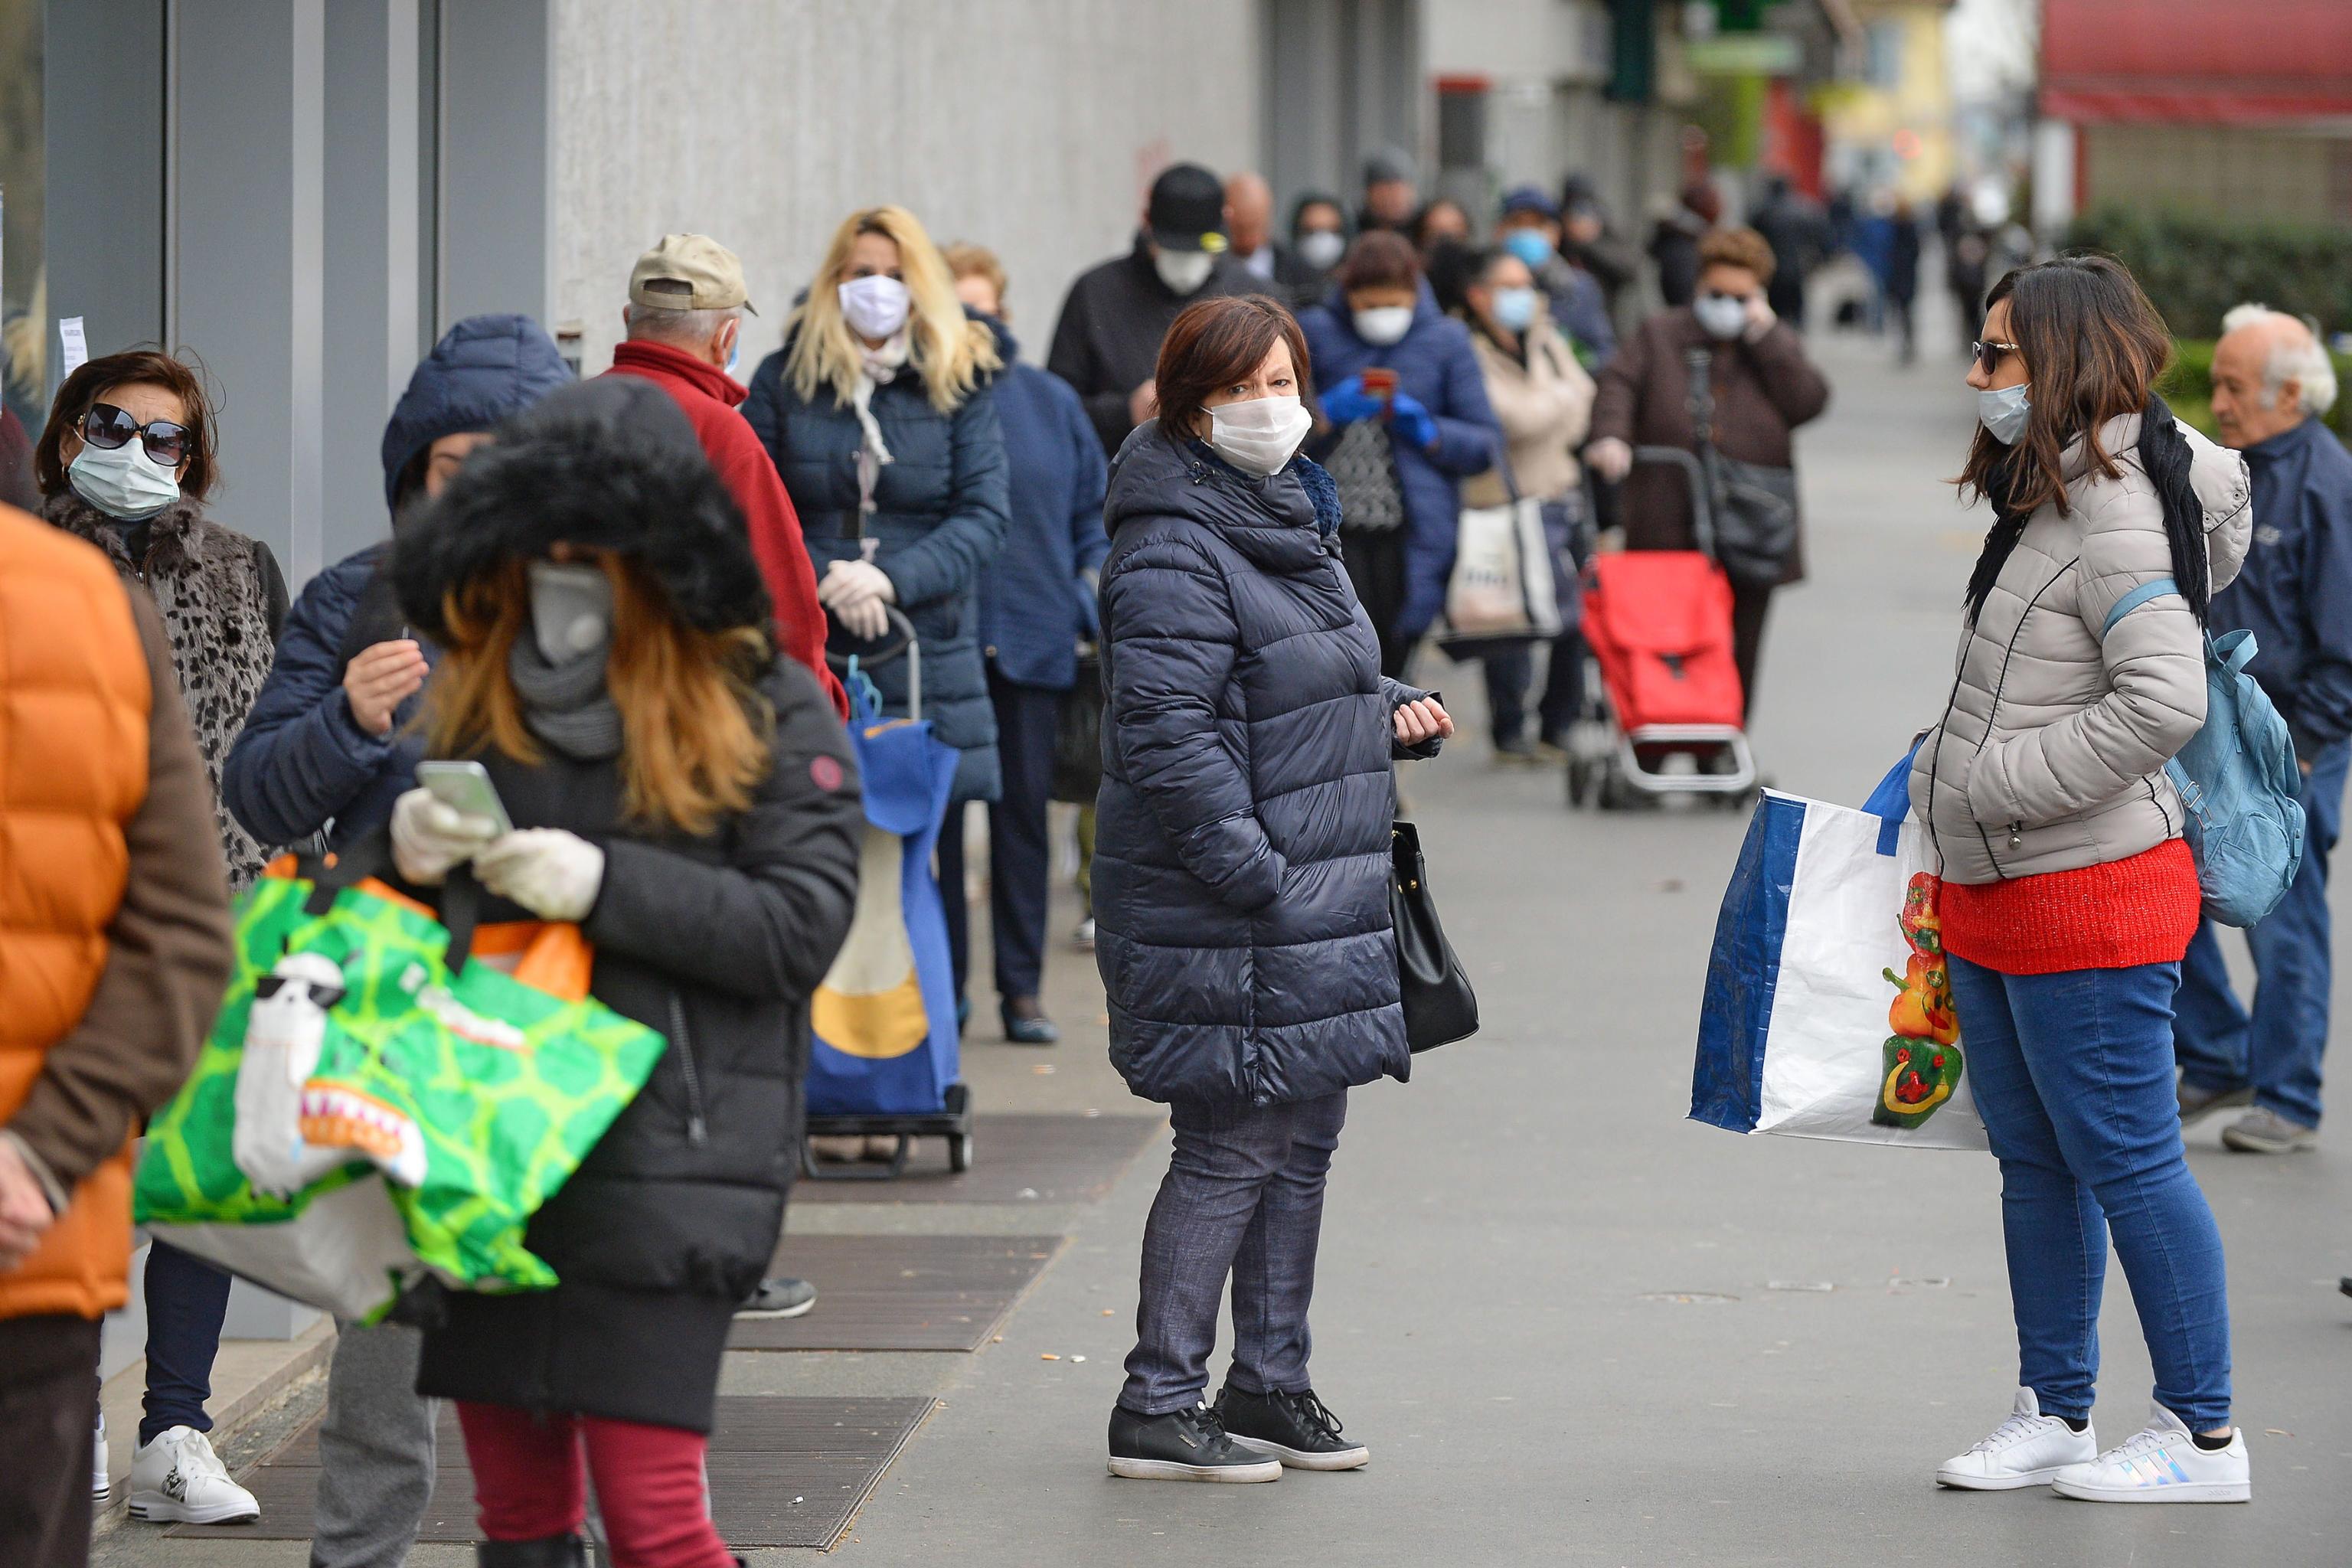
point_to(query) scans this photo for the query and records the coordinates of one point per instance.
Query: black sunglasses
(1987, 355)
(326, 996)
(107, 427)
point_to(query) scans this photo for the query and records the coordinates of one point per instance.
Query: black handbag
(1439, 1005)
(1754, 505)
(1077, 735)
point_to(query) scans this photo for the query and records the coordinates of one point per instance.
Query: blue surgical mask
(2003, 412)
(735, 351)
(1514, 309)
(1529, 244)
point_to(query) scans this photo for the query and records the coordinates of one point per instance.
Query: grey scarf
(567, 705)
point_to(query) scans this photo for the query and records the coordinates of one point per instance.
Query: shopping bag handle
(461, 895)
(1890, 801)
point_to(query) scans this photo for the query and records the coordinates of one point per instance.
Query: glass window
(23, 318)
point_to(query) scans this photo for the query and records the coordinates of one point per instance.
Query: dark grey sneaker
(2263, 1131)
(1182, 1445)
(779, 1299)
(1295, 1428)
(2197, 1103)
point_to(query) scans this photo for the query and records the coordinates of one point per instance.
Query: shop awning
(2209, 62)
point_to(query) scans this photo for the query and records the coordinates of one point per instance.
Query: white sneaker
(2162, 1463)
(1083, 939)
(178, 1478)
(100, 1483)
(2028, 1449)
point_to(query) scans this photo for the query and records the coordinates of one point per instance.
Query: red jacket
(708, 394)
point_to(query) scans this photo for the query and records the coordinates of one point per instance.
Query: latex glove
(1348, 403)
(379, 679)
(856, 591)
(1610, 459)
(1760, 318)
(1414, 422)
(429, 836)
(554, 874)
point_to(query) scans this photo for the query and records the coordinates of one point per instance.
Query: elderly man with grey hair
(2273, 386)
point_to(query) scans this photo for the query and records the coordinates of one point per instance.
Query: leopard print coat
(218, 602)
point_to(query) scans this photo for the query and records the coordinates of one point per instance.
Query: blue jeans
(2073, 1074)
(186, 1301)
(2276, 1050)
(1243, 1196)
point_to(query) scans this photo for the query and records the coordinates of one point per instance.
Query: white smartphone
(467, 786)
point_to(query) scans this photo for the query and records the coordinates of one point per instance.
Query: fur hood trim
(609, 464)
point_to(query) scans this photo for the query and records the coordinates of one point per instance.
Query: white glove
(1610, 459)
(856, 591)
(554, 874)
(430, 835)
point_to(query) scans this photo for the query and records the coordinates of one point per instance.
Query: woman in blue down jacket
(1241, 882)
(878, 412)
(1441, 430)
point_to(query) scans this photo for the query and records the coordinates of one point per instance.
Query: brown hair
(2093, 348)
(1380, 258)
(966, 261)
(1737, 247)
(697, 735)
(1215, 344)
(94, 379)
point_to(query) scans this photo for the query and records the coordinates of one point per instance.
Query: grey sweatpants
(375, 1450)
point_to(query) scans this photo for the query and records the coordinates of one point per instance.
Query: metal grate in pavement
(1015, 1159)
(900, 1292)
(765, 1452)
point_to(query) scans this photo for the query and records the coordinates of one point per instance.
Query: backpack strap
(2154, 588)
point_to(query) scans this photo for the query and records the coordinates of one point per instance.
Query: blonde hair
(966, 260)
(951, 351)
(697, 735)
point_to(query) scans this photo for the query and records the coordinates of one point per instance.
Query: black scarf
(2165, 455)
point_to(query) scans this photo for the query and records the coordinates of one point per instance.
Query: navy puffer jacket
(941, 504)
(1240, 880)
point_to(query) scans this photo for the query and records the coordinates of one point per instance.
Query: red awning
(2226, 62)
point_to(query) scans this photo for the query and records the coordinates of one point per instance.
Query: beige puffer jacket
(2051, 752)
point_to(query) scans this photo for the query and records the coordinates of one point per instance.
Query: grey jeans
(1243, 1196)
(375, 1450)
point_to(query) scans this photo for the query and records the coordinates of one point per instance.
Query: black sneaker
(1182, 1445)
(779, 1299)
(1295, 1428)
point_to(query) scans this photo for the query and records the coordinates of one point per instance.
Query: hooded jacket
(2051, 750)
(940, 519)
(1435, 364)
(302, 762)
(1107, 341)
(715, 941)
(1037, 598)
(1241, 844)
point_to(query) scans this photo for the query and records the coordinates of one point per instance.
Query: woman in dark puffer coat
(1241, 881)
(688, 799)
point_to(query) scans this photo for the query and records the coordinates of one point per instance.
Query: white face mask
(125, 484)
(1383, 324)
(875, 306)
(1720, 318)
(1258, 436)
(1183, 271)
(1322, 248)
(2003, 412)
(571, 609)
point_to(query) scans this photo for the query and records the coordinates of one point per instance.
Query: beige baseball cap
(689, 272)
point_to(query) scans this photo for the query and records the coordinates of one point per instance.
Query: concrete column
(498, 160)
(103, 83)
(248, 170)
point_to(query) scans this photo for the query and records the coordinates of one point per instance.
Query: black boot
(548, 1551)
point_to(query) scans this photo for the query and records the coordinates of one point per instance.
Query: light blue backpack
(2238, 778)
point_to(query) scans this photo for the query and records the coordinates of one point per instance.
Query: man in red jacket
(685, 315)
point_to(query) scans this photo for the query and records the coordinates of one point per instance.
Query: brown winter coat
(113, 913)
(1763, 390)
(1543, 405)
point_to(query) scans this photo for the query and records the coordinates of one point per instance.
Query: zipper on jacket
(681, 1040)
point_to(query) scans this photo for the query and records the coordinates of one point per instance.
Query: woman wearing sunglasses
(2069, 896)
(125, 462)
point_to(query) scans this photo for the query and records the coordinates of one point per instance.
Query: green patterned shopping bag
(364, 1114)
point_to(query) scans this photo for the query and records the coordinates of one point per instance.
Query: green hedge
(2196, 267)
(2188, 386)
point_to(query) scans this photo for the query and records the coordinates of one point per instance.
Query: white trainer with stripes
(2028, 1449)
(2162, 1463)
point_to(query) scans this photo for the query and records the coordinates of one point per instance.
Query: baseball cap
(1528, 199)
(1187, 210)
(689, 272)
